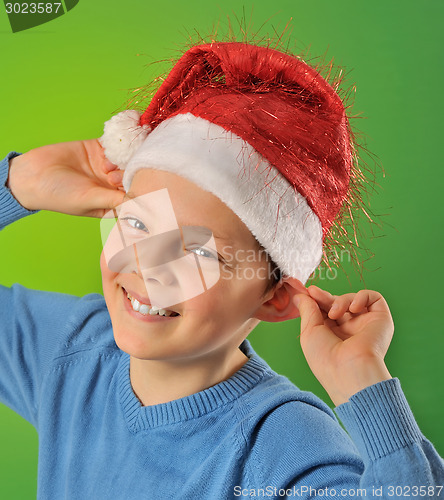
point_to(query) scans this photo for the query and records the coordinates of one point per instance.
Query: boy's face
(210, 324)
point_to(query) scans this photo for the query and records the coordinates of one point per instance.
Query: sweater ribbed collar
(139, 418)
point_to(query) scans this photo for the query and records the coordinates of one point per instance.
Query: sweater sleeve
(10, 208)
(398, 459)
(31, 325)
(300, 450)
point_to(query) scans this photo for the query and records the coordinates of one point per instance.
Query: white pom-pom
(122, 136)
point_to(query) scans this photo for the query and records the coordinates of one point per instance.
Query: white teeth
(145, 309)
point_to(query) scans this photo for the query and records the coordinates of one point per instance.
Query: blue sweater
(253, 435)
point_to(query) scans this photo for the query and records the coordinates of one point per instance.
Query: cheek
(235, 297)
(107, 275)
(250, 292)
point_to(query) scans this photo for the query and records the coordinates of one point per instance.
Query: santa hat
(258, 128)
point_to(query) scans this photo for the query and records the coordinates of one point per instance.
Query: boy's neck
(155, 382)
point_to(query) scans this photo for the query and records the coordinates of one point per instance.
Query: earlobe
(280, 306)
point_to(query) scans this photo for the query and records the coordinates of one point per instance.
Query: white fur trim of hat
(225, 165)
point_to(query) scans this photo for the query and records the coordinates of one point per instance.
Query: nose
(161, 276)
(155, 257)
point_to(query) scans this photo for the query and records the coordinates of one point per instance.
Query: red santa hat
(258, 128)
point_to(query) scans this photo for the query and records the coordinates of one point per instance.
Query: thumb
(311, 315)
(314, 332)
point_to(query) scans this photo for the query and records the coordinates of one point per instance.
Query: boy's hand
(344, 339)
(72, 177)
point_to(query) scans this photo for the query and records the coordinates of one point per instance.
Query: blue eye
(135, 223)
(203, 252)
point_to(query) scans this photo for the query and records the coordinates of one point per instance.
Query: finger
(108, 166)
(115, 177)
(325, 301)
(341, 305)
(312, 325)
(359, 302)
(334, 324)
(323, 298)
(95, 159)
(311, 315)
(370, 300)
(104, 199)
(105, 163)
(336, 305)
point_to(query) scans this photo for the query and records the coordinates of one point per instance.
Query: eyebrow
(204, 230)
(131, 196)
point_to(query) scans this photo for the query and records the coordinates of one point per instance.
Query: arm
(301, 448)
(25, 317)
(345, 348)
(397, 456)
(33, 323)
(10, 208)
(71, 177)
(345, 339)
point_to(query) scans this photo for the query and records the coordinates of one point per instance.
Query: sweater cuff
(379, 419)
(10, 208)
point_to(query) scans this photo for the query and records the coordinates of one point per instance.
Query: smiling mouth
(147, 309)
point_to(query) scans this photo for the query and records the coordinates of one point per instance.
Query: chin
(137, 343)
(129, 344)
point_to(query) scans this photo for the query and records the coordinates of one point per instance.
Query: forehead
(191, 205)
(147, 180)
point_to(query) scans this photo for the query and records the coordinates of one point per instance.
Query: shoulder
(88, 325)
(274, 394)
(43, 332)
(306, 422)
(64, 322)
(287, 431)
(299, 440)
(276, 404)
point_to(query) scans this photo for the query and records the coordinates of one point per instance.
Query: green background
(62, 80)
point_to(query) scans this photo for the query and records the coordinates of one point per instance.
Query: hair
(274, 279)
(274, 275)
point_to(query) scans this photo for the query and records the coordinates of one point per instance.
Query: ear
(279, 304)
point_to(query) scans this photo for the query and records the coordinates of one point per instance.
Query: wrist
(14, 184)
(359, 375)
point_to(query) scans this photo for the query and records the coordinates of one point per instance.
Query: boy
(253, 145)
